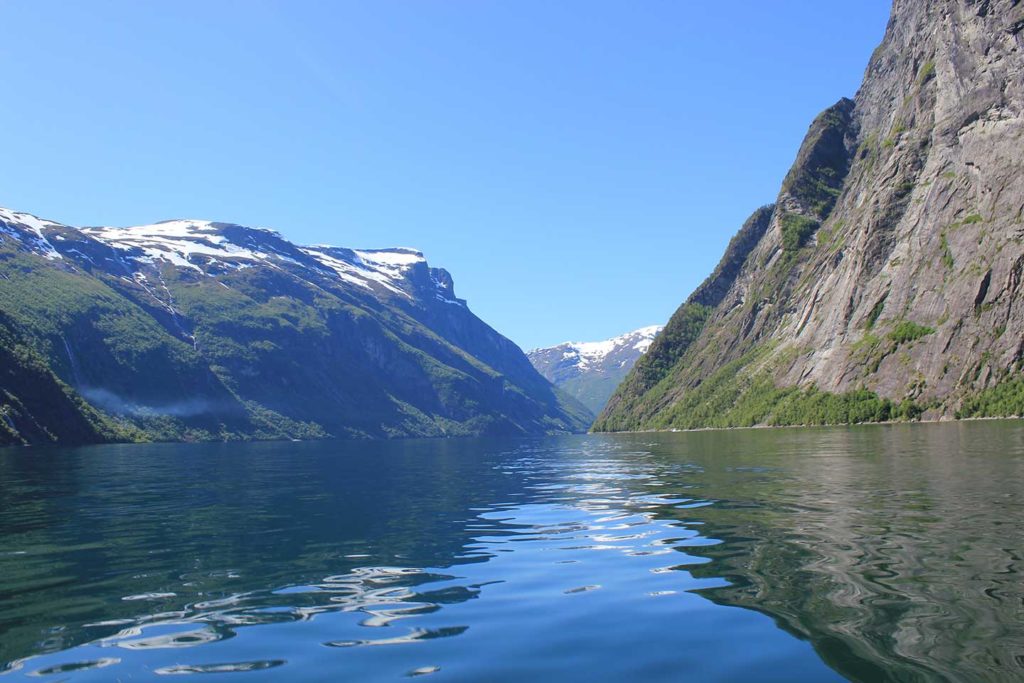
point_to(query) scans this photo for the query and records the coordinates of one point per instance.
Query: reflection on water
(870, 554)
(896, 550)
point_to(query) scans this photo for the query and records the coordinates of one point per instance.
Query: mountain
(199, 330)
(590, 371)
(885, 281)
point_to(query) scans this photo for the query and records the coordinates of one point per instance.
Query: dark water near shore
(884, 553)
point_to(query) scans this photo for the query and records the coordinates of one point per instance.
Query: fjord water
(870, 553)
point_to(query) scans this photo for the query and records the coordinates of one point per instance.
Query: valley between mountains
(884, 282)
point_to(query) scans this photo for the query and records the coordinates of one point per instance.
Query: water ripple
(867, 554)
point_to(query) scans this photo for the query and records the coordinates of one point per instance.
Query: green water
(876, 553)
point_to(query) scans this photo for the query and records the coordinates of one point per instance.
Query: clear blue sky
(578, 166)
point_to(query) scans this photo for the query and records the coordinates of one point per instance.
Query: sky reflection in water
(871, 554)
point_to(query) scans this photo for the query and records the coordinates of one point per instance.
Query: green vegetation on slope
(1005, 399)
(35, 406)
(907, 331)
(743, 394)
(795, 230)
(118, 356)
(633, 396)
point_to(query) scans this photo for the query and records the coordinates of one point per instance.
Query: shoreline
(942, 420)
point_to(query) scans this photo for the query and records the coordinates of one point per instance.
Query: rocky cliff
(200, 330)
(885, 280)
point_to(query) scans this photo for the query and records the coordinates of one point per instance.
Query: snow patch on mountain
(179, 241)
(396, 258)
(176, 241)
(594, 353)
(386, 267)
(590, 371)
(350, 267)
(196, 244)
(11, 221)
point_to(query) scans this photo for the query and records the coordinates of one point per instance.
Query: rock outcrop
(885, 281)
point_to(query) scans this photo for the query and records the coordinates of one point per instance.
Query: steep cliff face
(885, 281)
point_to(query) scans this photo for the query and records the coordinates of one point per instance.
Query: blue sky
(579, 166)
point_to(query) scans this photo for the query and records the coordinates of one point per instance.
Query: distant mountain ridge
(192, 329)
(590, 371)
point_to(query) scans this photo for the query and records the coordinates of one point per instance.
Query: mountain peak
(638, 340)
(590, 371)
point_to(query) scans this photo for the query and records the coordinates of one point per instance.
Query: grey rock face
(930, 218)
(893, 256)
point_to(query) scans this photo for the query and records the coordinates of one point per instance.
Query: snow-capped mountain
(196, 329)
(209, 247)
(590, 371)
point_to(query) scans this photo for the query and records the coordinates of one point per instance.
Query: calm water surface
(886, 553)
